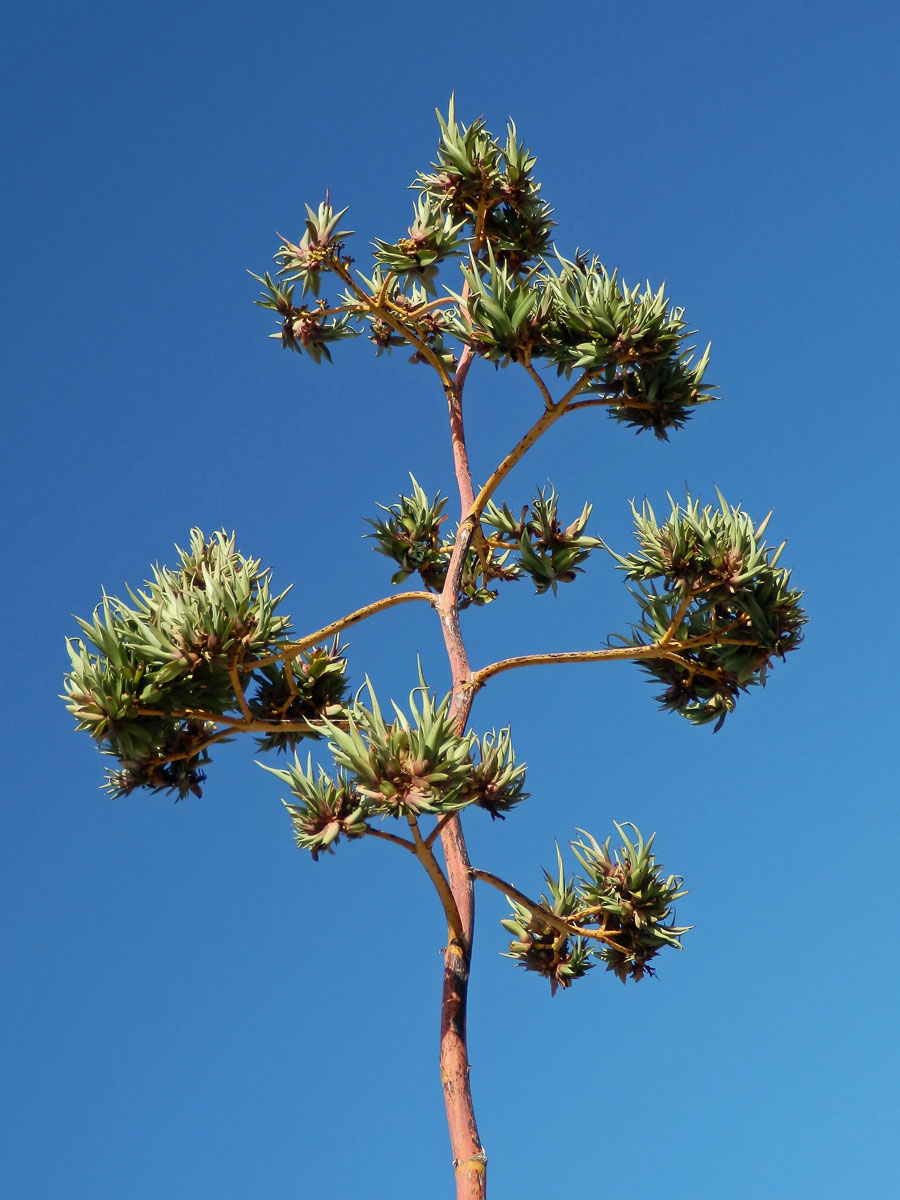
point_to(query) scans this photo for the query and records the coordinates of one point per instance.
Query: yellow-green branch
(372, 305)
(391, 837)
(426, 857)
(239, 691)
(361, 614)
(547, 418)
(612, 654)
(569, 928)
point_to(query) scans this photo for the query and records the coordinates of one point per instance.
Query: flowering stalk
(203, 652)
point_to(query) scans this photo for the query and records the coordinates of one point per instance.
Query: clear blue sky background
(190, 1007)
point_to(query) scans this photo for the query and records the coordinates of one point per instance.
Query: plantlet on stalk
(204, 652)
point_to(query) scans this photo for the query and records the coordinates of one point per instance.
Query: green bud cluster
(417, 763)
(432, 238)
(498, 781)
(151, 674)
(545, 550)
(328, 809)
(558, 956)
(410, 535)
(425, 764)
(304, 328)
(308, 686)
(319, 248)
(414, 312)
(534, 544)
(503, 317)
(712, 567)
(406, 766)
(622, 896)
(521, 301)
(489, 186)
(631, 341)
(635, 899)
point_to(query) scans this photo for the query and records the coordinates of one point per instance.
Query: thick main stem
(469, 1158)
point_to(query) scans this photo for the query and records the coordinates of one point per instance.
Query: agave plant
(203, 653)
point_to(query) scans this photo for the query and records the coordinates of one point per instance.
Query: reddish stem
(469, 1159)
(458, 433)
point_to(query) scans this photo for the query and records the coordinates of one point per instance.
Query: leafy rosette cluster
(552, 949)
(154, 678)
(628, 344)
(327, 809)
(498, 781)
(618, 912)
(628, 348)
(488, 186)
(630, 341)
(413, 764)
(421, 763)
(297, 692)
(406, 317)
(308, 328)
(410, 535)
(318, 251)
(503, 318)
(545, 550)
(706, 579)
(418, 763)
(431, 239)
(634, 899)
(535, 544)
(304, 328)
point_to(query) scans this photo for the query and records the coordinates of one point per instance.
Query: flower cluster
(416, 764)
(520, 300)
(297, 691)
(619, 912)
(546, 551)
(157, 680)
(410, 535)
(489, 186)
(707, 580)
(432, 238)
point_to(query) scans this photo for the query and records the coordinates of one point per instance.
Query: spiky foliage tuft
(489, 186)
(298, 692)
(160, 678)
(557, 955)
(708, 576)
(547, 552)
(619, 912)
(161, 663)
(498, 781)
(410, 535)
(634, 897)
(416, 763)
(327, 809)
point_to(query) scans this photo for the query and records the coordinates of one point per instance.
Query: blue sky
(191, 1007)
